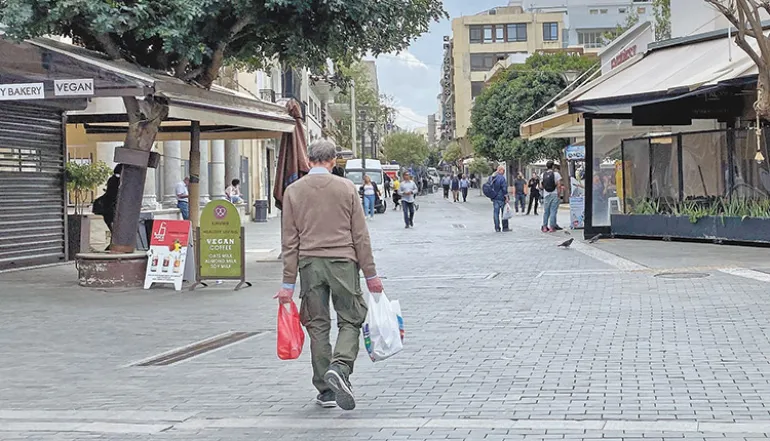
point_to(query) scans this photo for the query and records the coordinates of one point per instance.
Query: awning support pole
(730, 158)
(195, 173)
(588, 216)
(680, 168)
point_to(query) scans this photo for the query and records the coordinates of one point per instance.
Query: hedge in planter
(82, 179)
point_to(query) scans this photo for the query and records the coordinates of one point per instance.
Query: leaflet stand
(200, 280)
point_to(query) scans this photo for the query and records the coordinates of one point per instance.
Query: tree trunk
(144, 122)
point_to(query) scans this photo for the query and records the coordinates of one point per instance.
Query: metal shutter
(32, 203)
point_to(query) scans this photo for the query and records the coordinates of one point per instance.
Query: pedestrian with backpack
(549, 188)
(496, 189)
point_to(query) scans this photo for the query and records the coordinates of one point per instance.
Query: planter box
(750, 229)
(78, 234)
(640, 225)
(708, 228)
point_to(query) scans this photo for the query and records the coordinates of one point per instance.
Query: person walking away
(520, 193)
(456, 188)
(183, 197)
(233, 192)
(446, 181)
(396, 195)
(369, 190)
(500, 188)
(464, 188)
(387, 183)
(534, 192)
(408, 190)
(325, 239)
(549, 186)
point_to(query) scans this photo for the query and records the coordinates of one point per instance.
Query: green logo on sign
(220, 241)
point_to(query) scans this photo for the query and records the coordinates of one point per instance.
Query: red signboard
(168, 252)
(623, 56)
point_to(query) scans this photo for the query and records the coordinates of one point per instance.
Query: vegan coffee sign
(36, 91)
(220, 242)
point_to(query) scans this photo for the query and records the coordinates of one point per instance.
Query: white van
(354, 170)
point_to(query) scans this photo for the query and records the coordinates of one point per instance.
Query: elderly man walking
(325, 238)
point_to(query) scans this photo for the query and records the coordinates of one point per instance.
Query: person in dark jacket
(110, 198)
(455, 188)
(534, 192)
(500, 186)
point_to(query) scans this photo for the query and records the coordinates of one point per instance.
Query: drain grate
(459, 226)
(682, 275)
(196, 349)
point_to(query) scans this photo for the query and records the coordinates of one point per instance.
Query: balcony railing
(267, 95)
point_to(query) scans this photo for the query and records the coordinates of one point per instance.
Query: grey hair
(321, 150)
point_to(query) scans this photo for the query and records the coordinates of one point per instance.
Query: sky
(412, 76)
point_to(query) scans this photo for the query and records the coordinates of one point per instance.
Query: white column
(232, 161)
(105, 152)
(172, 171)
(149, 198)
(204, 175)
(217, 179)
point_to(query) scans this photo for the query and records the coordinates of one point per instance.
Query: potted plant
(81, 179)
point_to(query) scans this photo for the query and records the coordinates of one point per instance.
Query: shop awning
(219, 109)
(670, 70)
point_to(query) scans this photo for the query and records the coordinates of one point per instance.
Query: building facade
(480, 41)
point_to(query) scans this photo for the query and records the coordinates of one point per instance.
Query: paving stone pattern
(507, 338)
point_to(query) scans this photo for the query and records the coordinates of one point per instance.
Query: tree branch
(181, 68)
(109, 46)
(211, 72)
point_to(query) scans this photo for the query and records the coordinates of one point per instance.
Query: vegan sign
(221, 244)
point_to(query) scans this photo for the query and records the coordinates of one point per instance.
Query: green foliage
(453, 153)
(434, 158)
(82, 178)
(662, 11)
(646, 207)
(501, 109)
(695, 210)
(519, 92)
(560, 62)
(406, 148)
(480, 167)
(632, 18)
(193, 38)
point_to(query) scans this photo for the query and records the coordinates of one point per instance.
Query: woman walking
(456, 188)
(370, 193)
(464, 184)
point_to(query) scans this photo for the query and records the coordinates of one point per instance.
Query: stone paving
(508, 338)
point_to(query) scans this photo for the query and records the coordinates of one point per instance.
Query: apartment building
(480, 41)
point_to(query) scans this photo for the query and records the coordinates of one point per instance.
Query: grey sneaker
(339, 383)
(326, 400)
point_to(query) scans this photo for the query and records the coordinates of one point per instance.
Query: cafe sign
(220, 250)
(22, 91)
(84, 87)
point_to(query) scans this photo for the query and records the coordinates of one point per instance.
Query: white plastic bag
(507, 212)
(382, 336)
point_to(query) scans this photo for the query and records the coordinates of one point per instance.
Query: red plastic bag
(291, 337)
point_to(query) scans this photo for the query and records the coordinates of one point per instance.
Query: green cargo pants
(321, 277)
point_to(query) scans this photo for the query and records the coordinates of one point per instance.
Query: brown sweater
(323, 217)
